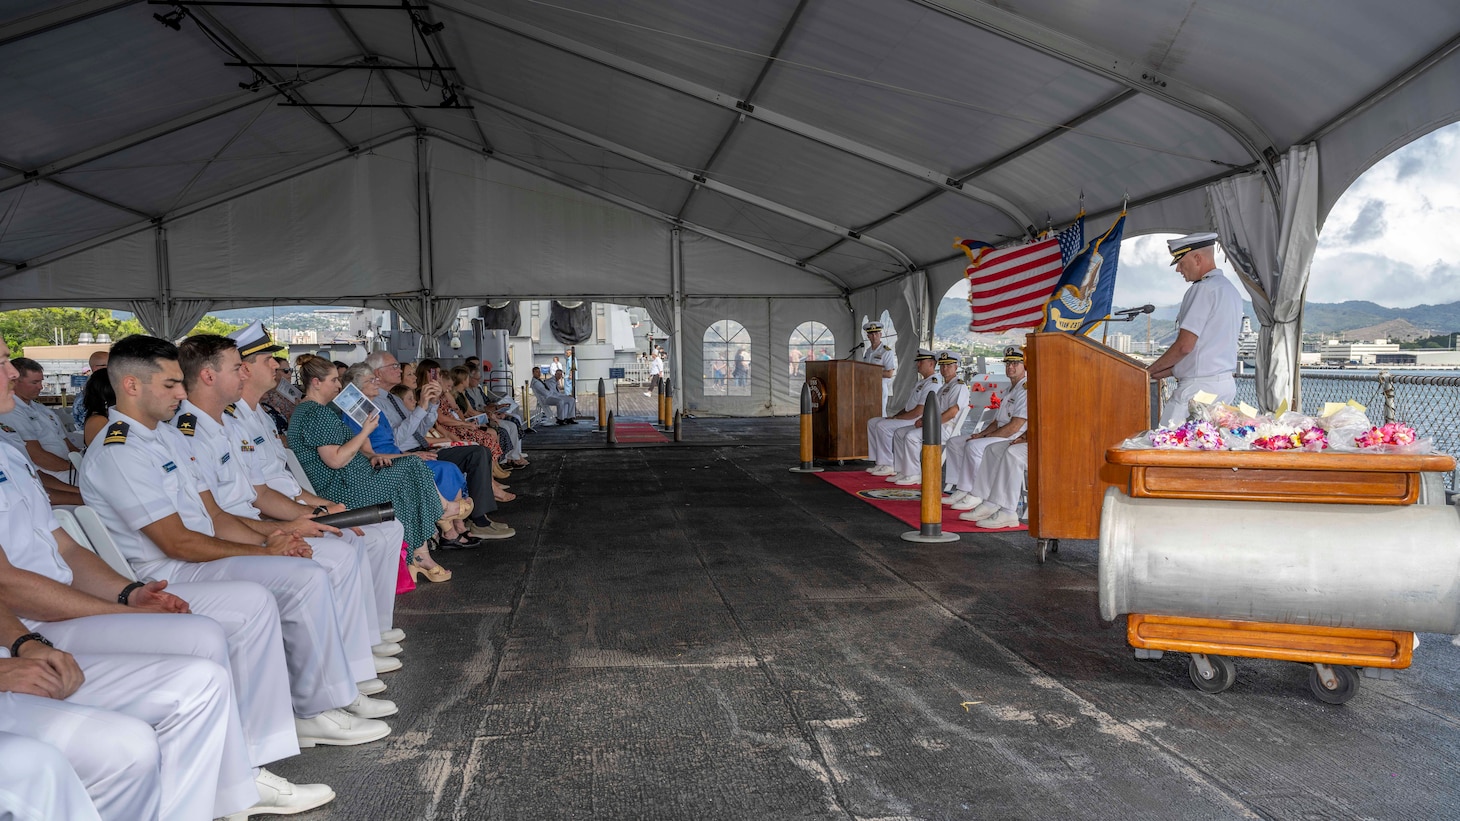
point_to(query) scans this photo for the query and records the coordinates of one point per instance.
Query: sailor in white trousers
(177, 722)
(907, 443)
(41, 785)
(966, 453)
(881, 429)
(219, 466)
(999, 484)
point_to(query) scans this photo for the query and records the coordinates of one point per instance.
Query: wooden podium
(845, 394)
(1084, 399)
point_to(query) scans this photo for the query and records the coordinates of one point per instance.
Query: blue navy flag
(1082, 299)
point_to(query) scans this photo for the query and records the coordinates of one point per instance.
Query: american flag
(1007, 287)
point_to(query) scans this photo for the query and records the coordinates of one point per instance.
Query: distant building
(305, 338)
(1357, 353)
(1119, 342)
(1247, 341)
(61, 362)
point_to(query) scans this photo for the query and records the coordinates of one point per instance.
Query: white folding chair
(298, 470)
(75, 463)
(95, 536)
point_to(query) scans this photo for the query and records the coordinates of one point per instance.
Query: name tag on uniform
(169, 466)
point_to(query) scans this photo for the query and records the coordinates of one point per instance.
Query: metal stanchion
(930, 528)
(808, 464)
(610, 435)
(668, 403)
(526, 414)
(678, 432)
(602, 405)
(660, 399)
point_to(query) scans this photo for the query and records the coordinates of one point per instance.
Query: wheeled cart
(1319, 558)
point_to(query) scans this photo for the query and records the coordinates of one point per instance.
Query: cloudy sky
(1393, 238)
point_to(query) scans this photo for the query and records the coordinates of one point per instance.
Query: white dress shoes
(367, 707)
(881, 470)
(968, 502)
(950, 498)
(983, 511)
(386, 649)
(907, 479)
(385, 664)
(393, 634)
(338, 728)
(371, 687)
(278, 796)
(1004, 518)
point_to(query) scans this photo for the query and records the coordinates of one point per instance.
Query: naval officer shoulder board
(116, 433)
(187, 423)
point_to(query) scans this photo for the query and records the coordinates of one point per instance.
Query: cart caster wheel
(1045, 547)
(1214, 676)
(1344, 680)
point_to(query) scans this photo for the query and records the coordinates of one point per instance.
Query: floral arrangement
(1393, 433)
(1190, 436)
(1273, 436)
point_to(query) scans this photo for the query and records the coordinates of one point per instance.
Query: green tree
(210, 324)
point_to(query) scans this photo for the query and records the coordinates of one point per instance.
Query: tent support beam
(1372, 99)
(1007, 157)
(676, 268)
(692, 177)
(455, 77)
(1119, 68)
(733, 103)
(44, 21)
(359, 44)
(765, 68)
(275, 78)
(202, 115)
(67, 187)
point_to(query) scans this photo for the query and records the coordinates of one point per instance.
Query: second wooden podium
(845, 394)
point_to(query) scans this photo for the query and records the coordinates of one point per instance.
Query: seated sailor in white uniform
(965, 453)
(907, 443)
(880, 429)
(141, 480)
(547, 396)
(880, 353)
(999, 484)
(43, 784)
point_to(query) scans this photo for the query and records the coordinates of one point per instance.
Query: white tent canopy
(769, 163)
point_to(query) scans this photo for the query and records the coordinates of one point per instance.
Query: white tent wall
(770, 323)
(108, 275)
(343, 232)
(498, 231)
(712, 267)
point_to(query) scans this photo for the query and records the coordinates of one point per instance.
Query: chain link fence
(1429, 404)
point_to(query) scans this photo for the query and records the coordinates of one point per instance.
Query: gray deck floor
(692, 632)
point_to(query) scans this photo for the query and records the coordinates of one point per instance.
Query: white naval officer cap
(948, 358)
(872, 327)
(1014, 353)
(254, 339)
(924, 353)
(1181, 246)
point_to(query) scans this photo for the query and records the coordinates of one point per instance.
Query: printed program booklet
(354, 404)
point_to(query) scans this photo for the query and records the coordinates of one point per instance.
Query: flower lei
(1190, 436)
(1273, 436)
(1392, 433)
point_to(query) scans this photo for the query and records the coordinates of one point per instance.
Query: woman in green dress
(330, 454)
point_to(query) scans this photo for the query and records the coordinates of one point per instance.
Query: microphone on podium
(1130, 313)
(857, 347)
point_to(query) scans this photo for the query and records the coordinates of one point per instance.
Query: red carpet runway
(902, 503)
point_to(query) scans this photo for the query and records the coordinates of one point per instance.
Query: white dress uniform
(881, 429)
(1211, 309)
(40, 784)
(547, 394)
(966, 453)
(1002, 476)
(262, 454)
(35, 422)
(236, 624)
(882, 355)
(136, 476)
(907, 443)
(220, 469)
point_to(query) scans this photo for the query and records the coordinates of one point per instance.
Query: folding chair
(298, 470)
(94, 535)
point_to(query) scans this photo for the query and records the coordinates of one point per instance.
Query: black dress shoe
(462, 542)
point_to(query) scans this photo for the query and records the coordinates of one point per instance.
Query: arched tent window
(727, 359)
(810, 341)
